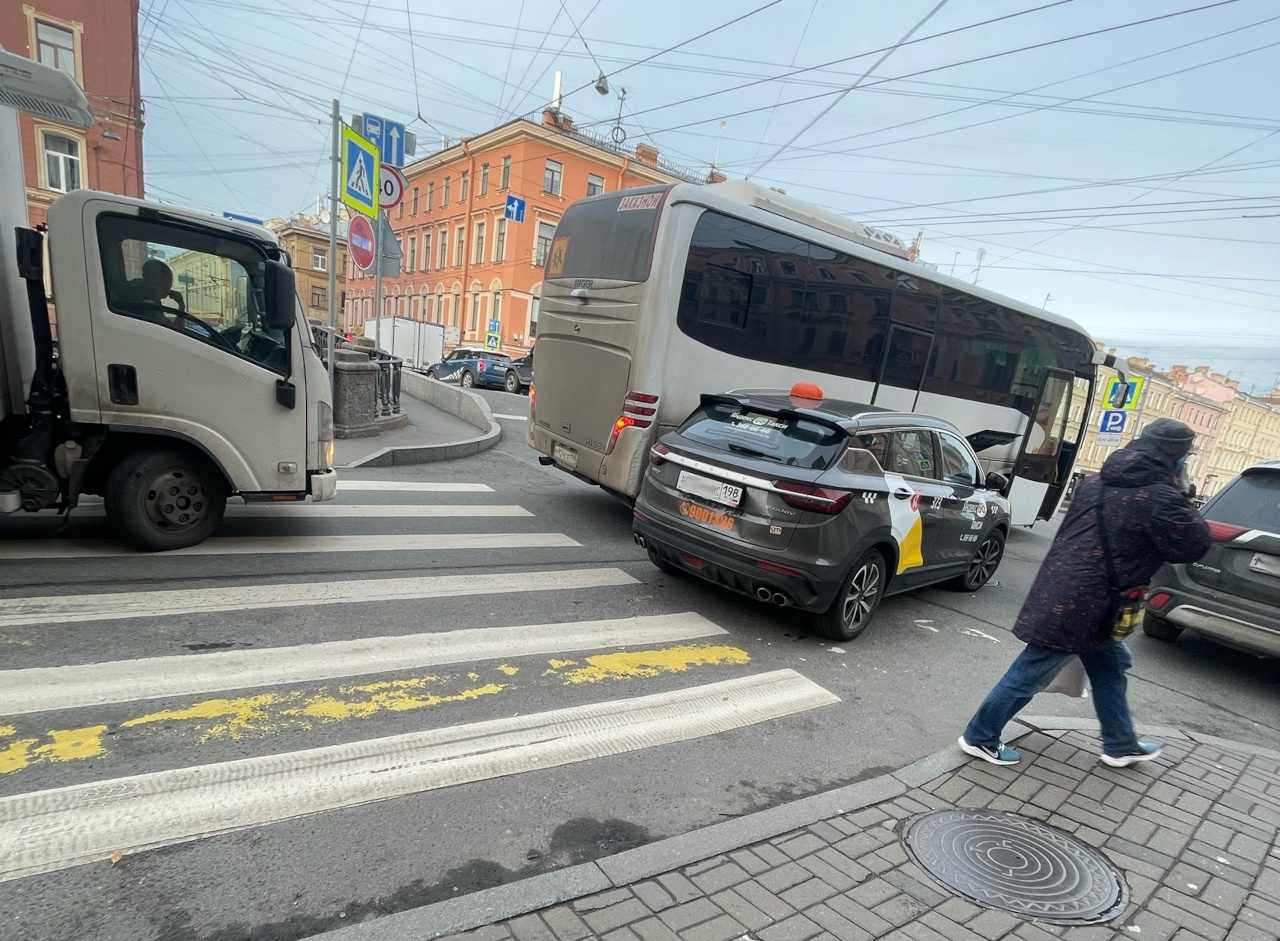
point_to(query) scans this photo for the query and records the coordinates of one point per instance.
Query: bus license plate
(1266, 564)
(708, 489)
(565, 457)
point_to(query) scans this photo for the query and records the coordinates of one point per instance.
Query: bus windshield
(609, 238)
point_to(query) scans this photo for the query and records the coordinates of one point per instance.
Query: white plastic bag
(1071, 680)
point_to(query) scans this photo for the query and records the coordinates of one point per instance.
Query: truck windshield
(202, 284)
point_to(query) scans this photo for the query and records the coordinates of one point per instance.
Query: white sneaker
(1001, 754)
(1145, 752)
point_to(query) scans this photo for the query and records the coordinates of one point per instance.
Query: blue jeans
(1034, 669)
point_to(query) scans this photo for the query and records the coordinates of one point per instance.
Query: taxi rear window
(787, 439)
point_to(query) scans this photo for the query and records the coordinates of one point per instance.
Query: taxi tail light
(658, 453)
(780, 569)
(638, 411)
(1159, 599)
(815, 499)
(1224, 532)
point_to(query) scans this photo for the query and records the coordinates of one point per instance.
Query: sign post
(335, 168)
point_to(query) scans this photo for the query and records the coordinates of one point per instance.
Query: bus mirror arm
(1122, 369)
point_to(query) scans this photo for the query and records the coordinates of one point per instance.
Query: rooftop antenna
(619, 133)
(556, 98)
(715, 164)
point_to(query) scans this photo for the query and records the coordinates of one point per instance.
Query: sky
(1117, 163)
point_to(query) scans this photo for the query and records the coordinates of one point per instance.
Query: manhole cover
(1016, 865)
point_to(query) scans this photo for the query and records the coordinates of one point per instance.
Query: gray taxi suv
(820, 504)
(1232, 594)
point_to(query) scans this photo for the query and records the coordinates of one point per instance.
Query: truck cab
(182, 371)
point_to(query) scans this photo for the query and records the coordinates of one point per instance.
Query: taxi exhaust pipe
(780, 599)
(639, 540)
(764, 594)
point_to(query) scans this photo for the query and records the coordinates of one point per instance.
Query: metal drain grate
(1017, 865)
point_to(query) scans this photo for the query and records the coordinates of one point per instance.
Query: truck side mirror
(281, 296)
(997, 482)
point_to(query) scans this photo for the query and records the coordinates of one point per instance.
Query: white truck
(183, 370)
(418, 343)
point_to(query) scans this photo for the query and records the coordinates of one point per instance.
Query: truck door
(181, 346)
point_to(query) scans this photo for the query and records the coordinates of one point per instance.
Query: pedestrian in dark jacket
(1069, 611)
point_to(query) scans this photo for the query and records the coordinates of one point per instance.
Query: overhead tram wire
(937, 68)
(529, 88)
(844, 94)
(509, 111)
(506, 72)
(1054, 105)
(783, 86)
(413, 61)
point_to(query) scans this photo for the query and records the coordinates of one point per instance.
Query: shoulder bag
(1125, 610)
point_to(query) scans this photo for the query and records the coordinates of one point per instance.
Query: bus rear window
(790, 440)
(607, 237)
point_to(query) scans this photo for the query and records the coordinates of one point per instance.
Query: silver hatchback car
(820, 504)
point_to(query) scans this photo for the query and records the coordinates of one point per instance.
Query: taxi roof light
(807, 392)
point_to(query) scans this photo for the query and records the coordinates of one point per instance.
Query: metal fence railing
(387, 391)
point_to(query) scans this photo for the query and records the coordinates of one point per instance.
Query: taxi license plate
(1266, 564)
(566, 457)
(713, 490)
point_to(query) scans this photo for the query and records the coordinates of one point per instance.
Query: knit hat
(1171, 436)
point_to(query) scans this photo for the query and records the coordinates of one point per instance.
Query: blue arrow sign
(387, 136)
(514, 209)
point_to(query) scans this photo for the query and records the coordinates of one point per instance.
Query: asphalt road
(904, 690)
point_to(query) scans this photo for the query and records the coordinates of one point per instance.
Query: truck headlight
(324, 416)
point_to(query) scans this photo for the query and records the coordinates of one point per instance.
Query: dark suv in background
(1232, 594)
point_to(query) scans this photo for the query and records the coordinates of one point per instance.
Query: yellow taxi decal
(906, 525)
(704, 515)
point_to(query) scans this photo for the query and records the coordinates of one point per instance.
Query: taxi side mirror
(996, 482)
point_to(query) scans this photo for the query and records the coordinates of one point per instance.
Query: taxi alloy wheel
(857, 602)
(985, 562)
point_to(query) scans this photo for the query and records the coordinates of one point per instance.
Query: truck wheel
(468, 380)
(165, 499)
(512, 382)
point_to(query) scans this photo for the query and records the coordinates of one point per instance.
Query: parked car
(513, 376)
(820, 504)
(465, 365)
(1232, 594)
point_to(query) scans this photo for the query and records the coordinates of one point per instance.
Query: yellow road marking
(630, 664)
(269, 713)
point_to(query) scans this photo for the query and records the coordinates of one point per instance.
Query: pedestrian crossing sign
(493, 342)
(360, 161)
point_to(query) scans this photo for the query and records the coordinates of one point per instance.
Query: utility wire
(506, 72)
(783, 86)
(844, 94)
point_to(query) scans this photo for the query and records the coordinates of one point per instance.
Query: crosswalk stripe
(54, 829)
(110, 606)
(409, 486)
(366, 510)
(42, 689)
(24, 550)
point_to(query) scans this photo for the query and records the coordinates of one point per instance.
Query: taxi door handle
(903, 493)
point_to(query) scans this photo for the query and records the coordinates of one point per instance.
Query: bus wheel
(856, 604)
(165, 499)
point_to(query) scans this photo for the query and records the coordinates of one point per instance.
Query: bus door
(1037, 478)
(906, 353)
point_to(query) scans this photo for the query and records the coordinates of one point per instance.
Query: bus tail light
(815, 499)
(638, 411)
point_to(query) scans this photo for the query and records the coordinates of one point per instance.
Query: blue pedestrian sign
(387, 136)
(359, 173)
(515, 208)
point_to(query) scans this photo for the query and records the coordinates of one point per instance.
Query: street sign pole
(377, 279)
(334, 179)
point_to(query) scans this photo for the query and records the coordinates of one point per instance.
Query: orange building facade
(465, 264)
(97, 44)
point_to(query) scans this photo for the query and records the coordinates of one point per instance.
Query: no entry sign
(360, 242)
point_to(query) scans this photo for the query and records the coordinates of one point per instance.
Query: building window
(414, 211)
(319, 259)
(500, 242)
(319, 296)
(484, 179)
(475, 312)
(426, 250)
(459, 245)
(400, 210)
(444, 196)
(56, 47)
(546, 231)
(462, 186)
(412, 256)
(495, 309)
(506, 173)
(444, 248)
(552, 177)
(477, 256)
(61, 163)
(595, 184)
(431, 196)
